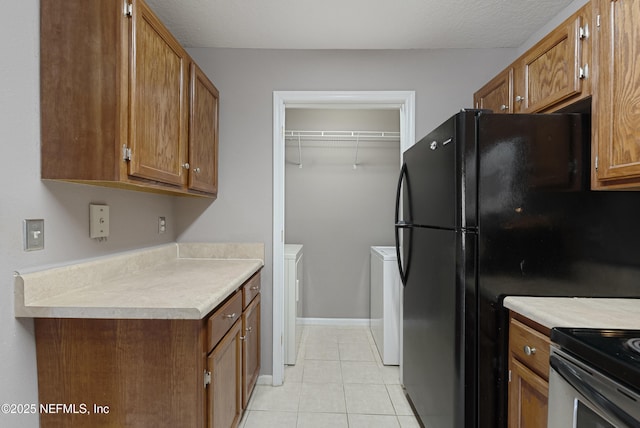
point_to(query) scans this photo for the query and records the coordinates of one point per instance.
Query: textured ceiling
(355, 24)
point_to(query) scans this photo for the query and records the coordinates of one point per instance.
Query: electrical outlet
(162, 224)
(33, 234)
(98, 221)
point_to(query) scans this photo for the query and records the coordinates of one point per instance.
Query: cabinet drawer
(222, 320)
(250, 289)
(530, 347)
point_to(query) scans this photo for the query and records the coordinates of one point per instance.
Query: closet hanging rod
(347, 135)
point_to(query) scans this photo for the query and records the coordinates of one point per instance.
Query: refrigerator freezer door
(440, 184)
(429, 192)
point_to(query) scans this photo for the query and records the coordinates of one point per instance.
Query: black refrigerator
(491, 205)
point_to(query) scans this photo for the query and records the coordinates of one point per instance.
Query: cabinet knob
(197, 170)
(230, 316)
(186, 165)
(249, 329)
(255, 288)
(504, 107)
(519, 99)
(528, 350)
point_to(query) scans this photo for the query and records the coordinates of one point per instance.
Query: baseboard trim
(349, 322)
(265, 380)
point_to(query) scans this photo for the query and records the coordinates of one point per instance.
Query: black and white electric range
(594, 381)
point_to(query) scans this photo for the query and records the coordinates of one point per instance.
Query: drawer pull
(233, 315)
(529, 350)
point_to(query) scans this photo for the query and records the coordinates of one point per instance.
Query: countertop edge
(205, 301)
(578, 312)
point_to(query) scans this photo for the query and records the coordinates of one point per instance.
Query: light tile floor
(338, 381)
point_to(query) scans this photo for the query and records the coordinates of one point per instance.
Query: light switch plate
(98, 221)
(33, 234)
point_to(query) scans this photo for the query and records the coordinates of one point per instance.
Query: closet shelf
(342, 135)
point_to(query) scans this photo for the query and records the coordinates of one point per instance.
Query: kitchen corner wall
(444, 81)
(63, 206)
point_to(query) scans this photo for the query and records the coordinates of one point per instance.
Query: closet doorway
(341, 173)
(401, 102)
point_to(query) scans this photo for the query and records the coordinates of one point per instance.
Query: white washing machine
(385, 295)
(292, 301)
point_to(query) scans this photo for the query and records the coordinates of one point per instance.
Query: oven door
(581, 397)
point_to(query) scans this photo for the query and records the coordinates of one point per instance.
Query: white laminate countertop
(578, 312)
(174, 281)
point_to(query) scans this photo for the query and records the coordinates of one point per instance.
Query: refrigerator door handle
(401, 224)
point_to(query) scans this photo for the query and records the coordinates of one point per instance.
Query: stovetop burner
(634, 344)
(613, 352)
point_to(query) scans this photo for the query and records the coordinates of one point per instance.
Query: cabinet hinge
(596, 163)
(126, 153)
(128, 9)
(583, 32)
(598, 21)
(583, 73)
(207, 378)
(509, 375)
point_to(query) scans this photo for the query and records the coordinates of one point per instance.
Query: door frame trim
(404, 101)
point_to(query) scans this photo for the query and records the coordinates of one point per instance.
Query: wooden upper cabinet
(115, 101)
(557, 67)
(203, 133)
(551, 75)
(159, 110)
(616, 117)
(497, 94)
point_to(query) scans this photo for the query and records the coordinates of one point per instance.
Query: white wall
(65, 207)
(338, 212)
(444, 82)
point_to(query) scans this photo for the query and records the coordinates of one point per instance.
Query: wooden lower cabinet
(529, 348)
(529, 395)
(224, 366)
(250, 349)
(142, 373)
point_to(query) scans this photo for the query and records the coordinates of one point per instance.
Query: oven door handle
(570, 375)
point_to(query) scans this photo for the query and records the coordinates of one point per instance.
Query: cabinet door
(250, 349)
(225, 390)
(616, 117)
(158, 110)
(554, 68)
(203, 133)
(528, 397)
(497, 94)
